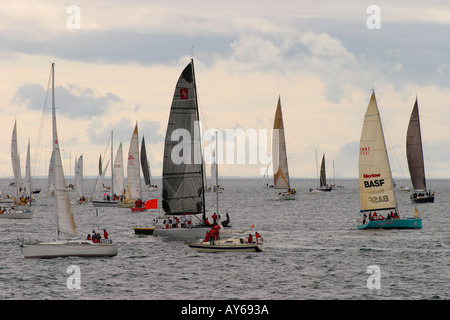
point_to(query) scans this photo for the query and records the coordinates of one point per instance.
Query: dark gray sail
(323, 174)
(414, 151)
(183, 162)
(144, 164)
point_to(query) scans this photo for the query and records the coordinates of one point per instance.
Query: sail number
(364, 151)
(374, 183)
(379, 199)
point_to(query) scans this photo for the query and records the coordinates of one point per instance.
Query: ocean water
(312, 251)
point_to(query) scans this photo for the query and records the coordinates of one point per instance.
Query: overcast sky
(122, 63)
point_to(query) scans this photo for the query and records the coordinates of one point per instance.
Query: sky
(117, 63)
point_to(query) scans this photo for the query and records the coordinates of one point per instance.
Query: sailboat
(19, 210)
(133, 185)
(215, 186)
(108, 200)
(146, 168)
(375, 179)
(79, 179)
(279, 158)
(183, 184)
(118, 183)
(414, 154)
(65, 222)
(323, 185)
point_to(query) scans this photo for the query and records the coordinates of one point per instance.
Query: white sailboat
(18, 210)
(118, 172)
(215, 186)
(279, 158)
(414, 154)
(108, 200)
(133, 185)
(375, 179)
(79, 183)
(65, 222)
(183, 183)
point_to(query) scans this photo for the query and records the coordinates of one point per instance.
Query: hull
(227, 245)
(146, 231)
(187, 233)
(408, 223)
(138, 209)
(287, 196)
(125, 204)
(82, 248)
(422, 198)
(105, 203)
(20, 214)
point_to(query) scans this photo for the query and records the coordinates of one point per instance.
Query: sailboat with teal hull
(376, 187)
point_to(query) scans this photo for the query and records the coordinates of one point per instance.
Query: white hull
(16, 215)
(81, 248)
(287, 196)
(227, 245)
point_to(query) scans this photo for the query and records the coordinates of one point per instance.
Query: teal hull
(408, 223)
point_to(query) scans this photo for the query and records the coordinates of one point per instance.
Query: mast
(217, 177)
(112, 166)
(198, 121)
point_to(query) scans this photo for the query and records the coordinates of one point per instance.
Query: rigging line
(392, 147)
(42, 131)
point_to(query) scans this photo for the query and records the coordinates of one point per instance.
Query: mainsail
(118, 171)
(144, 163)
(414, 151)
(323, 174)
(133, 189)
(15, 159)
(79, 176)
(183, 189)
(279, 156)
(375, 180)
(65, 221)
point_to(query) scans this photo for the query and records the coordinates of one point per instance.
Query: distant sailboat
(118, 172)
(107, 200)
(414, 153)
(19, 210)
(375, 179)
(323, 185)
(279, 158)
(133, 185)
(146, 168)
(79, 179)
(65, 222)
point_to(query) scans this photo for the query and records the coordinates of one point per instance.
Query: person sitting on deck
(250, 238)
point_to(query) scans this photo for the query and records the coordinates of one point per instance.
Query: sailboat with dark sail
(414, 154)
(183, 167)
(376, 188)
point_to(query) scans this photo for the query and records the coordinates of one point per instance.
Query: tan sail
(375, 180)
(279, 155)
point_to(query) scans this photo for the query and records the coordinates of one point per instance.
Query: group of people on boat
(175, 222)
(96, 236)
(258, 238)
(375, 217)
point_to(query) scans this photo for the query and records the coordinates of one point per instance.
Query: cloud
(77, 102)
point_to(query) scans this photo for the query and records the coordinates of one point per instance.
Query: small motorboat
(232, 244)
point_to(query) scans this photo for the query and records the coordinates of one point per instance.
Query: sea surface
(312, 250)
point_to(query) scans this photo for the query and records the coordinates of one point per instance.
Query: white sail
(65, 221)
(133, 189)
(375, 180)
(28, 190)
(79, 176)
(279, 155)
(51, 175)
(118, 171)
(15, 161)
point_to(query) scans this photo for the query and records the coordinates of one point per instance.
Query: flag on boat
(151, 204)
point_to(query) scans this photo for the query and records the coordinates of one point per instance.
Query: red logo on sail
(184, 93)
